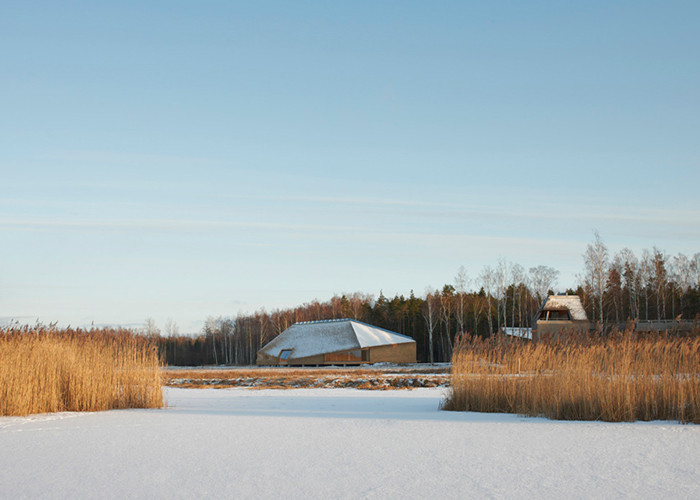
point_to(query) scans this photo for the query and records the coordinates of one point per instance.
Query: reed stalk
(43, 369)
(623, 376)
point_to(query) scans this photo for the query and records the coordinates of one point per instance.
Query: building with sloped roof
(333, 342)
(560, 314)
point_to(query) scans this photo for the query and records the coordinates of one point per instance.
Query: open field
(338, 443)
(379, 377)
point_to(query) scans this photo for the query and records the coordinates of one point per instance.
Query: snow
(338, 443)
(309, 339)
(370, 336)
(570, 302)
(518, 332)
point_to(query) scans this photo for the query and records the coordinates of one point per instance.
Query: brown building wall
(396, 353)
(556, 329)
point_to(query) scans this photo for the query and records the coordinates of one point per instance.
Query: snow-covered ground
(338, 443)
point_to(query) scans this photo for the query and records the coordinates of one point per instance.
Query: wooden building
(560, 314)
(337, 342)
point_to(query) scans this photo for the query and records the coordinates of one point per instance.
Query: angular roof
(318, 337)
(571, 303)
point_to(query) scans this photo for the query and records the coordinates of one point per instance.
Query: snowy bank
(338, 443)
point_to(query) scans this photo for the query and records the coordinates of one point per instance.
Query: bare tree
(675, 281)
(336, 307)
(461, 284)
(431, 315)
(517, 275)
(150, 328)
(596, 261)
(695, 270)
(502, 274)
(171, 329)
(542, 280)
(238, 354)
(262, 321)
(357, 300)
(278, 322)
(210, 330)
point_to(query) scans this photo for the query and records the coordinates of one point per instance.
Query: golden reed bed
(47, 370)
(621, 377)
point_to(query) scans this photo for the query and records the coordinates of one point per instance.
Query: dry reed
(47, 370)
(620, 377)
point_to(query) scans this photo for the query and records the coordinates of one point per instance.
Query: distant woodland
(614, 289)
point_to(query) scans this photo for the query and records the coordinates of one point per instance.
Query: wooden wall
(396, 353)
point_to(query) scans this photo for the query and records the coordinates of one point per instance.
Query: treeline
(613, 288)
(653, 286)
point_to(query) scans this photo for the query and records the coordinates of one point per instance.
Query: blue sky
(185, 159)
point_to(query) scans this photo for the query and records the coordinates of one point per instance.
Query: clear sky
(184, 159)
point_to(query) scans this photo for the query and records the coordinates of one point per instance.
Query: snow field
(338, 443)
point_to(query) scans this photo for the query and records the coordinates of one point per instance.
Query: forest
(614, 289)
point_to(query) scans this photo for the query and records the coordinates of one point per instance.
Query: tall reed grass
(47, 370)
(620, 377)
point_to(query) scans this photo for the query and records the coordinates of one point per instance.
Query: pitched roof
(317, 337)
(572, 303)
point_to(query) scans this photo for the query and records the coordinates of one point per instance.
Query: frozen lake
(338, 443)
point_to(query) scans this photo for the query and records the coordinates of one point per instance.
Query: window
(285, 353)
(555, 315)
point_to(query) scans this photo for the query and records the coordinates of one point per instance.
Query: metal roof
(310, 338)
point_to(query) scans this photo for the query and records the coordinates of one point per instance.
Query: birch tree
(210, 330)
(461, 284)
(517, 275)
(431, 315)
(171, 329)
(695, 270)
(596, 262)
(150, 328)
(542, 279)
(501, 276)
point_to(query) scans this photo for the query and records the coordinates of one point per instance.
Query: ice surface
(339, 443)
